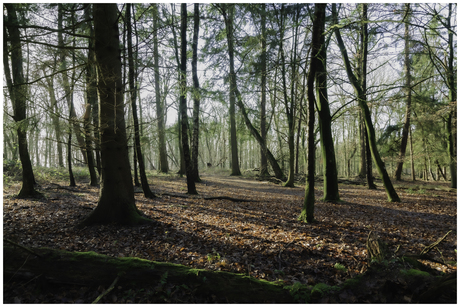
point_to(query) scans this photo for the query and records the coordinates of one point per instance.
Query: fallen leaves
(261, 238)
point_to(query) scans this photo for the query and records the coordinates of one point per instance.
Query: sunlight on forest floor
(261, 236)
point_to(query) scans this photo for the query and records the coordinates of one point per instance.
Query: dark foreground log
(158, 282)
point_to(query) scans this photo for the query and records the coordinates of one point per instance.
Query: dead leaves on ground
(262, 238)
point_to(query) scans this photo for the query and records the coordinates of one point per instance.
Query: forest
(251, 153)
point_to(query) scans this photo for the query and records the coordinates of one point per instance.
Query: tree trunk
(116, 199)
(307, 214)
(289, 105)
(391, 192)
(276, 169)
(263, 170)
(133, 95)
(233, 138)
(91, 102)
(73, 119)
(191, 189)
(18, 96)
(163, 167)
(405, 133)
(331, 184)
(196, 95)
(451, 121)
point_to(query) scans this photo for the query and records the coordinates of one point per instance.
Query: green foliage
(414, 273)
(299, 291)
(340, 267)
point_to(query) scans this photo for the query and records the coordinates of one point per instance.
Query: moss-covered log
(165, 281)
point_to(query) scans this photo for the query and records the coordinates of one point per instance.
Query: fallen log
(59, 267)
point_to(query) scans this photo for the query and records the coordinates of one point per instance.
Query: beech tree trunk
(116, 199)
(18, 95)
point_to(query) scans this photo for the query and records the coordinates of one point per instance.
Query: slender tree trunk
(116, 199)
(288, 104)
(276, 169)
(73, 119)
(331, 184)
(452, 118)
(18, 92)
(55, 120)
(196, 94)
(163, 167)
(263, 171)
(182, 167)
(228, 18)
(391, 192)
(307, 214)
(191, 189)
(405, 133)
(412, 164)
(363, 81)
(133, 95)
(91, 102)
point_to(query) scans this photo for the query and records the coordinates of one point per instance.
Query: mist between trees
(342, 90)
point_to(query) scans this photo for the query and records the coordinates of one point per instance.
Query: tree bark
(391, 192)
(367, 159)
(73, 119)
(133, 95)
(196, 94)
(408, 90)
(307, 213)
(191, 188)
(18, 96)
(331, 184)
(116, 199)
(163, 167)
(228, 18)
(452, 118)
(263, 171)
(91, 102)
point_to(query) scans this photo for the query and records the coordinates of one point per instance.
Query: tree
(91, 100)
(163, 167)
(18, 95)
(408, 91)
(196, 94)
(227, 12)
(133, 95)
(238, 97)
(191, 188)
(331, 184)
(263, 171)
(308, 210)
(116, 198)
(366, 158)
(391, 192)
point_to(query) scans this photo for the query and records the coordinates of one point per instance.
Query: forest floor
(259, 236)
